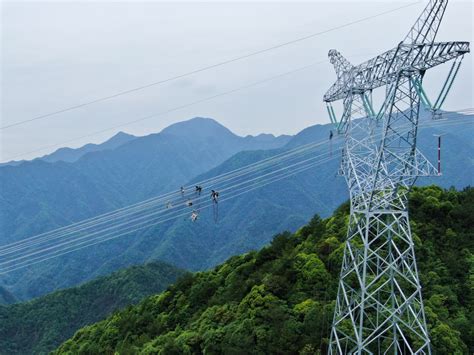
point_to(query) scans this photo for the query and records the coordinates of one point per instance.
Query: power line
(146, 223)
(76, 248)
(157, 214)
(212, 66)
(161, 198)
(233, 186)
(73, 243)
(152, 202)
(221, 179)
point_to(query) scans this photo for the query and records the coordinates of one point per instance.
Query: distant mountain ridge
(71, 155)
(207, 128)
(196, 127)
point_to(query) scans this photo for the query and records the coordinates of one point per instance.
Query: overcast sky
(59, 54)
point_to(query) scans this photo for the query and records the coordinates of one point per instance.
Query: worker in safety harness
(330, 142)
(214, 195)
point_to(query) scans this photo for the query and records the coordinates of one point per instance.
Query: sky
(59, 54)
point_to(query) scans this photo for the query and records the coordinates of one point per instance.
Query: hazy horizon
(56, 55)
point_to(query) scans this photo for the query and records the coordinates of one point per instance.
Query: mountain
(280, 299)
(205, 129)
(39, 326)
(71, 155)
(6, 297)
(247, 222)
(38, 196)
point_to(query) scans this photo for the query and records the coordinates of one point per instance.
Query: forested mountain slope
(6, 297)
(280, 300)
(40, 325)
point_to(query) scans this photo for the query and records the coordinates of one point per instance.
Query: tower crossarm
(426, 26)
(384, 69)
(341, 65)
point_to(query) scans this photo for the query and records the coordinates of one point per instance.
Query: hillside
(6, 297)
(279, 300)
(40, 325)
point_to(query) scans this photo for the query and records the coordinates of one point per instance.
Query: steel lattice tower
(379, 307)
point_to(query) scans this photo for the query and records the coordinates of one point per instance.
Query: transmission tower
(379, 307)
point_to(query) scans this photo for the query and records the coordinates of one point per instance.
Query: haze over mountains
(40, 195)
(71, 155)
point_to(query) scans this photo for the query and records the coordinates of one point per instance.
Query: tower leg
(379, 308)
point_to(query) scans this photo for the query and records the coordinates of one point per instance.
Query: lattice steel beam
(379, 307)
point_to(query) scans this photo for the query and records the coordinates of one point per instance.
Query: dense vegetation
(280, 300)
(6, 297)
(39, 326)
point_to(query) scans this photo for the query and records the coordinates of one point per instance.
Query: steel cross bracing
(379, 307)
(385, 68)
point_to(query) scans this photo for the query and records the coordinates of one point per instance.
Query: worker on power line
(189, 203)
(330, 142)
(194, 216)
(198, 190)
(214, 196)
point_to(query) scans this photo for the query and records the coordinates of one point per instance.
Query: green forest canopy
(41, 325)
(280, 299)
